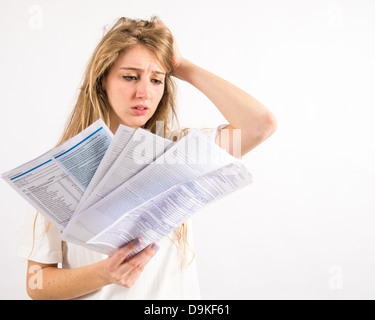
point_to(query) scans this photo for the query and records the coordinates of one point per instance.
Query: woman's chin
(136, 123)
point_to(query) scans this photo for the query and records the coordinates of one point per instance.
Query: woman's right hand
(125, 272)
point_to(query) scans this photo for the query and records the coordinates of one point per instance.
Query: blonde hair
(93, 104)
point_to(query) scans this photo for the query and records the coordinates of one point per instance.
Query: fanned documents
(103, 191)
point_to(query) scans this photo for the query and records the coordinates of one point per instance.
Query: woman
(129, 81)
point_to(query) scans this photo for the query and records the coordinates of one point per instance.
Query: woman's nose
(143, 90)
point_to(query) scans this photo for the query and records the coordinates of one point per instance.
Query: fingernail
(154, 247)
(137, 242)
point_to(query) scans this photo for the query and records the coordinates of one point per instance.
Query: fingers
(133, 268)
(121, 254)
(140, 260)
(145, 255)
(127, 272)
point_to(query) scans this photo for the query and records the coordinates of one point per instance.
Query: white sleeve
(39, 240)
(210, 132)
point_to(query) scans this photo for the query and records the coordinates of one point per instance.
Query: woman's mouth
(140, 110)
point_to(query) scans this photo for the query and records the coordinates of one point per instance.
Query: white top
(162, 278)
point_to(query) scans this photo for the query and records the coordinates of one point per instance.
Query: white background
(305, 228)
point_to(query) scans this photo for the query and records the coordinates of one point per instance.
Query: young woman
(129, 80)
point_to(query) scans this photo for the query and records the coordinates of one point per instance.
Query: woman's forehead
(139, 57)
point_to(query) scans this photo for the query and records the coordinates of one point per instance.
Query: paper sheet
(161, 215)
(141, 150)
(55, 182)
(120, 140)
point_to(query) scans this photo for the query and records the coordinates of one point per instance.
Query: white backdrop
(305, 228)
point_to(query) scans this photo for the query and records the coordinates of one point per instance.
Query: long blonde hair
(93, 104)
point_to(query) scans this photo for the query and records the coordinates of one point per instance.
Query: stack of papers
(103, 191)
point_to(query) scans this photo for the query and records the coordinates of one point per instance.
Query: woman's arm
(63, 284)
(253, 121)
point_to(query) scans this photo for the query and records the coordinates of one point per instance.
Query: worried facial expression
(134, 86)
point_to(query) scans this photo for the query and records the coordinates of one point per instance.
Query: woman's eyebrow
(141, 70)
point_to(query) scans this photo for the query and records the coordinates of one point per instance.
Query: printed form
(140, 151)
(120, 140)
(55, 182)
(161, 215)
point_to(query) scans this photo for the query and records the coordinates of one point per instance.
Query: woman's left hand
(178, 61)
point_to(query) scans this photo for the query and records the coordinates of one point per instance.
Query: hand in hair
(178, 60)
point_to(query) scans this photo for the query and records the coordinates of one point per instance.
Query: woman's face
(134, 86)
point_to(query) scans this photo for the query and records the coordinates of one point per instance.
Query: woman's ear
(104, 83)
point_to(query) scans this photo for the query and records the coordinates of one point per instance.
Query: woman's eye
(130, 78)
(156, 81)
